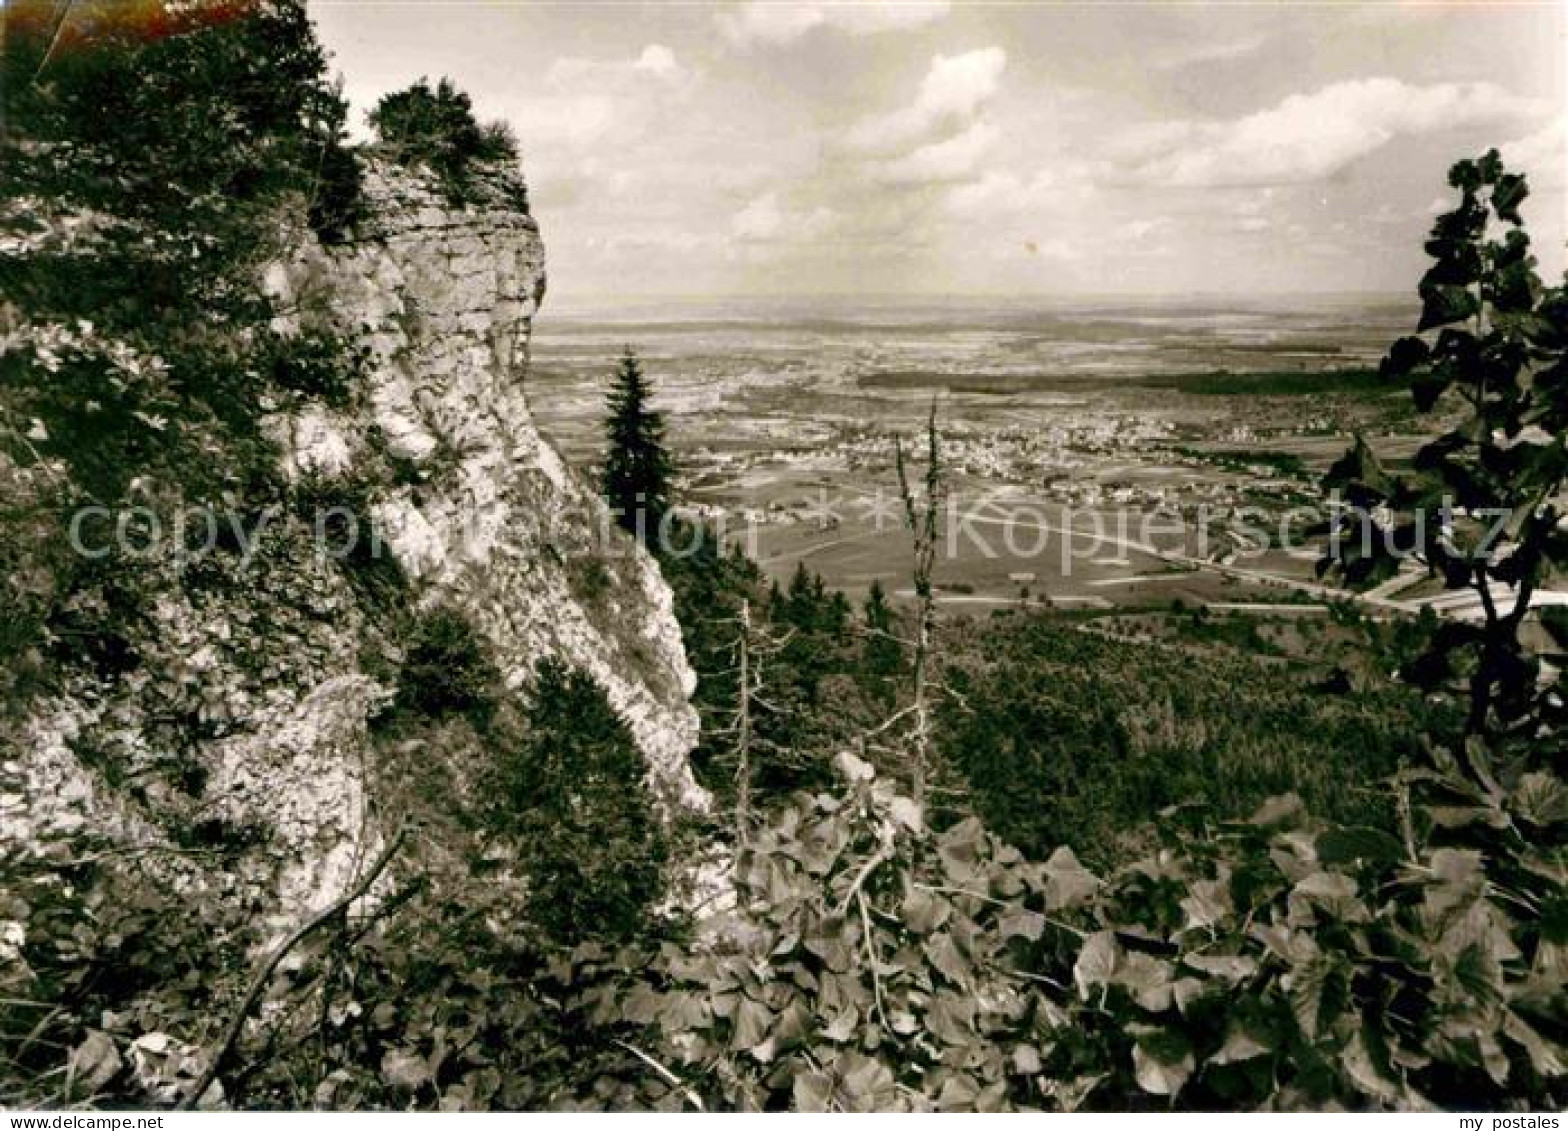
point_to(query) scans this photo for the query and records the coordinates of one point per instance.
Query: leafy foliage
(1266, 963)
(436, 129)
(447, 671)
(1480, 506)
(882, 652)
(149, 180)
(155, 156)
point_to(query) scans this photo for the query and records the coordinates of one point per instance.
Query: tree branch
(258, 983)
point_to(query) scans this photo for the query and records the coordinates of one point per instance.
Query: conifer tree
(637, 465)
(882, 655)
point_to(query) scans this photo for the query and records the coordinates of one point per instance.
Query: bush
(436, 129)
(448, 672)
(571, 793)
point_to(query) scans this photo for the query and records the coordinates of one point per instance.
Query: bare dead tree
(922, 518)
(743, 730)
(752, 647)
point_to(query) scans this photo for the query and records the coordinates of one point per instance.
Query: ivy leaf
(1148, 980)
(1367, 1074)
(907, 813)
(1207, 903)
(923, 912)
(1022, 924)
(835, 953)
(1541, 799)
(1443, 304)
(1347, 845)
(1097, 962)
(1226, 967)
(94, 1062)
(1026, 1060)
(1331, 892)
(958, 1093)
(869, 1086)
(1162, 1061)
(1239, 1046)
(406, 1071)
(643, 1006)
(1507, 195)
(752, 1020)
(812, 1091)
(853, 768)
(1067, 882)
(843, 1026)
(1281, 812)
(944, 954)
(951, 1020)
(959, 851)
(789, 1030)
(1071, 1093)
(1319, 993)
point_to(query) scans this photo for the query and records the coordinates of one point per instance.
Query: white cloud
(1063, 186)
(1542, 156)
(1222, 52)
(587, 101)
(952, 159)
(999, 192)
(954, 91)
(659, 60)
(1308, 137)
(765, 220)
(656, 64)
(763, 22)
(563, 119)
(1140, 229)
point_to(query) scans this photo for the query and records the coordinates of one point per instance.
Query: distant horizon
(980, 296)
(1217, 299)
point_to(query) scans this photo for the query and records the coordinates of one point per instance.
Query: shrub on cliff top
(436, 129)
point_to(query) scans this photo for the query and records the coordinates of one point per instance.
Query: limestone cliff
(244, 711)
(444, 300)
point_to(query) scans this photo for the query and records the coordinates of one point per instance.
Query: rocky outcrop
(443, 297)
(229, 744)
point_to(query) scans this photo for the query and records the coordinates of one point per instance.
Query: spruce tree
(637, 466)
(572, 789)
(882, 656)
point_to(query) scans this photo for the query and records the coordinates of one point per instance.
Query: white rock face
(444, 298)
(246, 712)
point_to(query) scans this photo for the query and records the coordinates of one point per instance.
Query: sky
(1051, 148)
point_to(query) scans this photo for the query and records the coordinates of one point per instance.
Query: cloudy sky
(1001, 148)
